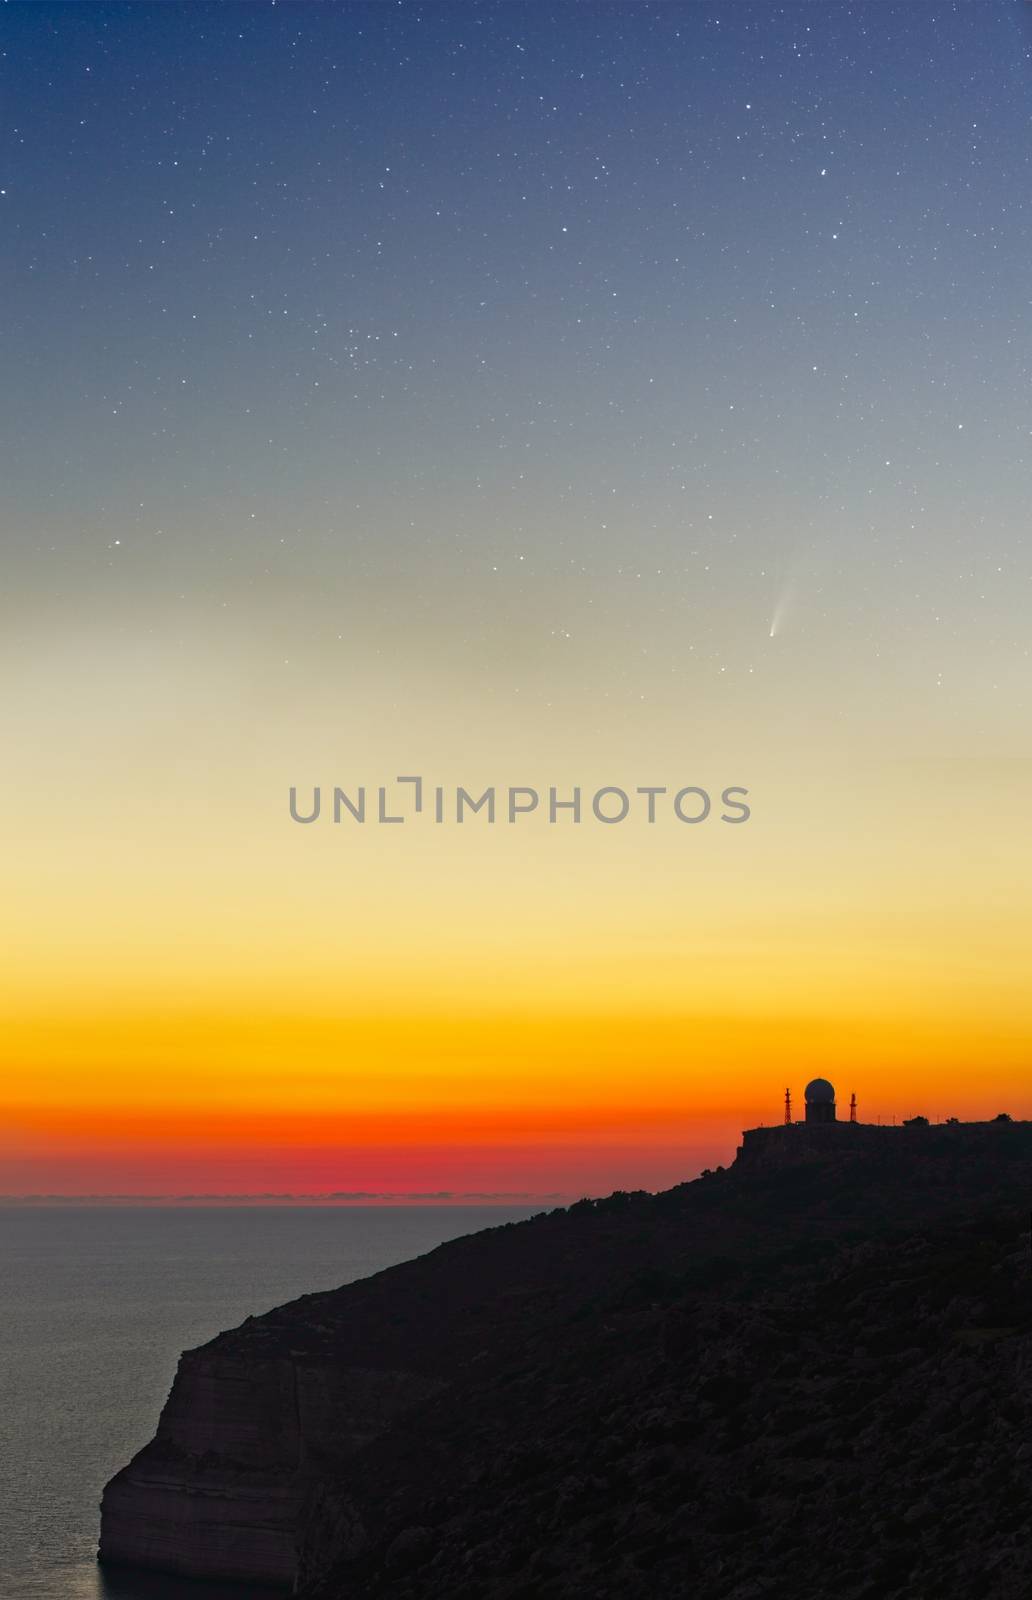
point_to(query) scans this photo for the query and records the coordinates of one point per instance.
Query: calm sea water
(96, 1305)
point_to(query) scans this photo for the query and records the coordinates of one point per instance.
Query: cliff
(783, 1379)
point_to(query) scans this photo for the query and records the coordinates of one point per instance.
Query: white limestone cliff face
(243, 1436)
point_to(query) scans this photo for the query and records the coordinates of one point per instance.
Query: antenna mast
(788, 1107)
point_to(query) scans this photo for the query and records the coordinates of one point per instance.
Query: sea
(96, 1304)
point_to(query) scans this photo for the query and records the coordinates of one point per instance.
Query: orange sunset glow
(209, 998)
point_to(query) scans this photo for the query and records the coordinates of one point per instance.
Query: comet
(782, 607)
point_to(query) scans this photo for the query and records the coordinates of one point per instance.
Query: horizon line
(337, 1197)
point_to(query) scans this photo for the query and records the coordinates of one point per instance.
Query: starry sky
(516, 394)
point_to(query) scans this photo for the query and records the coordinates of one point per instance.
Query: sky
(569, 396)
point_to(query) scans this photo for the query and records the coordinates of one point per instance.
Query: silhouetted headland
(809, 1374)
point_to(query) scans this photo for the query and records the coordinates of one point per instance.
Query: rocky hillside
(803, 1380)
